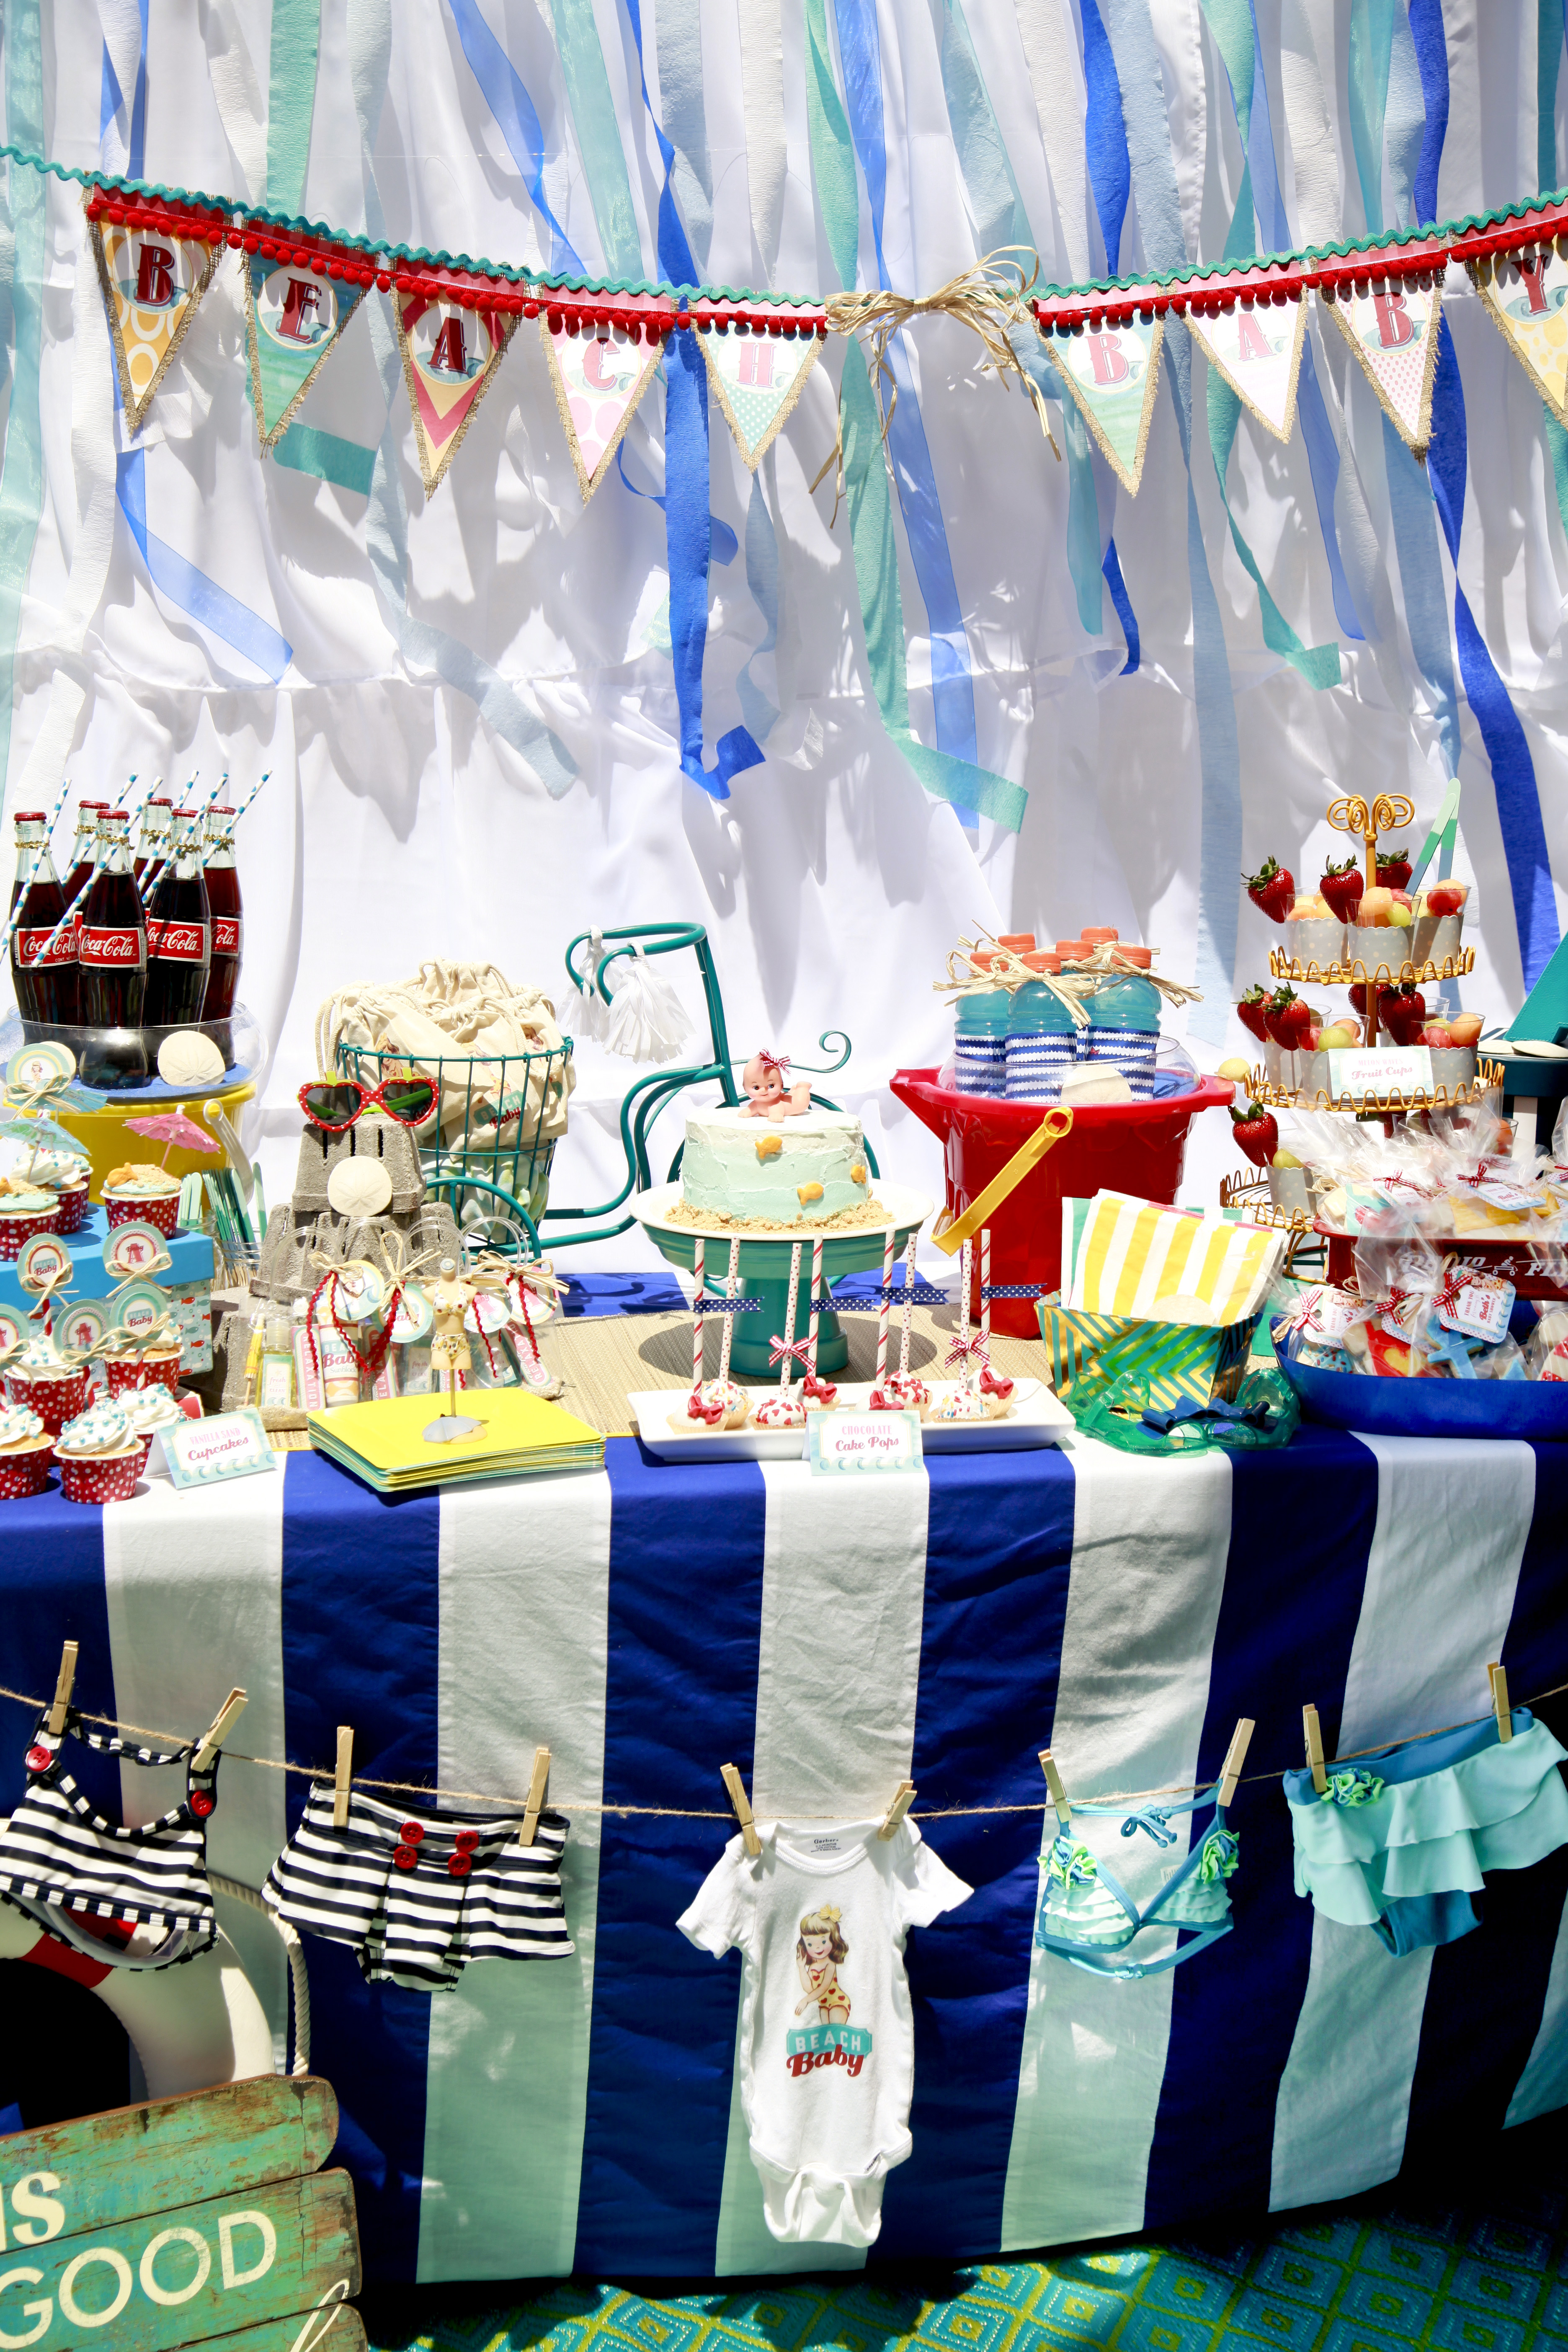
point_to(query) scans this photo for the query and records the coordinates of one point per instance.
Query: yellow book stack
(520, 1436)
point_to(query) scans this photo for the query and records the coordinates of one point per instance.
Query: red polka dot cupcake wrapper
(162, 1211)
(163, 1374)
(55, 1401)
(103, 1477)
(16, 1233)
(25, 1472)
(72, 1210)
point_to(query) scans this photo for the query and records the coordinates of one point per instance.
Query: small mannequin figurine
(763, 1080)
(451, 1296)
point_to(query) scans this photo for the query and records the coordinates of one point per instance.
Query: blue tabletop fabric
(652, 1622)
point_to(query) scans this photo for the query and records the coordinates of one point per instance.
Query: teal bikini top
(1087, 1916)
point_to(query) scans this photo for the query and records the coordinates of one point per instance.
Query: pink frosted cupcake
(52, 1389)
(25, 1209)
(101, 1455)
(27, 1450)
(142, 1190)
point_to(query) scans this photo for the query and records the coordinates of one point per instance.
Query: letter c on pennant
(226, 2230)
(69, 2305)
(40, 2311)
(165, 2295)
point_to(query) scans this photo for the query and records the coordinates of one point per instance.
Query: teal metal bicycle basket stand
(491, 1143)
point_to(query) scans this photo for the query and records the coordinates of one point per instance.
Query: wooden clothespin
(1235, 1757)
(63, 1688)
(343, 1776)
(536, 1789)
(222, 1724)
(1497, 1677)
(1054, 1783)
(898, 1809)
(1314, 1735)
(737, 1788)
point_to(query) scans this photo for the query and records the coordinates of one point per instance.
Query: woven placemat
(600, 1358)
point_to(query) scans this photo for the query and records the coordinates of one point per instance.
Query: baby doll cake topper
(763, 1080)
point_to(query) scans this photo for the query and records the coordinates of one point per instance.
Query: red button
(459, 1865)
(466, 1841)
(411, 1833)
(201, 1803)
(405, 1857)
(38, 1760)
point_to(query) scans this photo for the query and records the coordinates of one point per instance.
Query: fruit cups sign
(158, 2227)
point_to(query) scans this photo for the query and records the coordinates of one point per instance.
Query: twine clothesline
(723, 1812)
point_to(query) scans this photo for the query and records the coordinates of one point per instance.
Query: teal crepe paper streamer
(1083, 506)
(832, 150)
(22, 480)
(1405, 122)
(994, 199)
(1557, 450)
(677, 37)
(1370, 52)
(291, 100)
(598, 134)
(1550, 22)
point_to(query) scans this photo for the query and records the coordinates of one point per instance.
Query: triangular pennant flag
(1530, 306)
(1258, 350)
(1394, 337)
(450, 351)
(295, 318)
(758, 379)
(153, 281)
(599, 377)
(1111, 373)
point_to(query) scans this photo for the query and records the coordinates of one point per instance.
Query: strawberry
(1251, 1011)
(1393, 869)
(1402, 1012)
(1272, 887)
(1341, 885)
(1287, 1018)
(1358, 995)
(1257, 1132)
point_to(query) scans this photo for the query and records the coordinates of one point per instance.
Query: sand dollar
(359, 1188)
(189, 1059)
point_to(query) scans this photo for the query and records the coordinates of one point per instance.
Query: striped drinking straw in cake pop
(815, 1295)
(887, 1304)
(697, 1316)
(985, 1296)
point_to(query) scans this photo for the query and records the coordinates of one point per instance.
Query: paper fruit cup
(1314, 939)
(73, 1208)
(25, 1469)
(1288, 1189)
(103, 1477)
(1436, 938)
(1390, 944)
(54, 1397)
(159, 1209)
(1453, 1067)
(16, 1233)
(160, 1371)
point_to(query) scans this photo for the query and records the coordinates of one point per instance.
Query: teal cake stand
(764, 1271)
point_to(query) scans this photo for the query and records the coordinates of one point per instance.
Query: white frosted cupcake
(27, 1450)
(150, 1410)
(101, 1455)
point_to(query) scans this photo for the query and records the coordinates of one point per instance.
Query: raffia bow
(119, 1346)
(988, 299)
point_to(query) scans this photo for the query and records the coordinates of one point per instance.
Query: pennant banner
(152, 282)
(294, 319)
(1258, 350)
(1394, 337)
(1528, 297)
(1112, 372)
(598, 378)
(449, 354)
(757, 380)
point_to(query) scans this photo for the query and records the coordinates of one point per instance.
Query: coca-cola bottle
(43, 966)
(113, 944)
(227, 916)
(84, 849)
(179, 932)
(153, 836)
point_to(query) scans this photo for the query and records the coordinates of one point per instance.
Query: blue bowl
(1360, 1401)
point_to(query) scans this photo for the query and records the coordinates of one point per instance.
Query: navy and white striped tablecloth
(650, 1623)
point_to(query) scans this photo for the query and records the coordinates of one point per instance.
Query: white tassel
(587, 1015)
(648, 1021)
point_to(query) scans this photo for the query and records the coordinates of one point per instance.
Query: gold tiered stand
(1381, 975)
(1488, 1081)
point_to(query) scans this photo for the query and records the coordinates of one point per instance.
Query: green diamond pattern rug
(1382, 2280)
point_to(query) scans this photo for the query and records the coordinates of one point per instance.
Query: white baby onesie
(828, 2045)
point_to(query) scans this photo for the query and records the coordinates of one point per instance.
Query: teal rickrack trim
(294, 224)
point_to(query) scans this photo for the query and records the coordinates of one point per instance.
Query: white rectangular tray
(1036, 1419)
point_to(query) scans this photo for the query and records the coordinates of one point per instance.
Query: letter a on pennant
(1394, 334)
(1258, 350)
(599, 376)
(1112, 372)
(757, 379)
(1530, 306)
(449, 355)
(152, 282)
(294, 319)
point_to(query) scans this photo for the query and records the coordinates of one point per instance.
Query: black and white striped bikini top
(93, 1883)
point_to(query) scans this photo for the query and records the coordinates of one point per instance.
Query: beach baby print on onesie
(827, 2050)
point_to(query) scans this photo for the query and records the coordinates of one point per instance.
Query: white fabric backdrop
(399, 823)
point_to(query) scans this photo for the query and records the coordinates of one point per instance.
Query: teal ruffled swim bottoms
(1402, 1840)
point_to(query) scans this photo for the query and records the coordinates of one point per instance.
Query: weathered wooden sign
(154, 2228)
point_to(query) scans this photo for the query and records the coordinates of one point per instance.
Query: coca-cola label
(116, 946)
(30, 946)
(178, 942)
(226, 933)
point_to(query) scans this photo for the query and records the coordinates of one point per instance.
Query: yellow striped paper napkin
(1134, 1257)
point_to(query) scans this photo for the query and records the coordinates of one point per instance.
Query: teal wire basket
(486, 1149)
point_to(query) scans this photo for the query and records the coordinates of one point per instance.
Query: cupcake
(53, 1389)
(27, 1450)
(141, 1189)
(150, 1410)
(25, 1209)
(64, 1174)
(157, 1367)
(716, 1404)
(101, 1455)
(906, 1395)
(780, 1409)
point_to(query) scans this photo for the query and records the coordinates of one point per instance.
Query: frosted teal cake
(776, 1174)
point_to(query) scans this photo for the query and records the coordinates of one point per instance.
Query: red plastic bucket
(1134, 1148)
